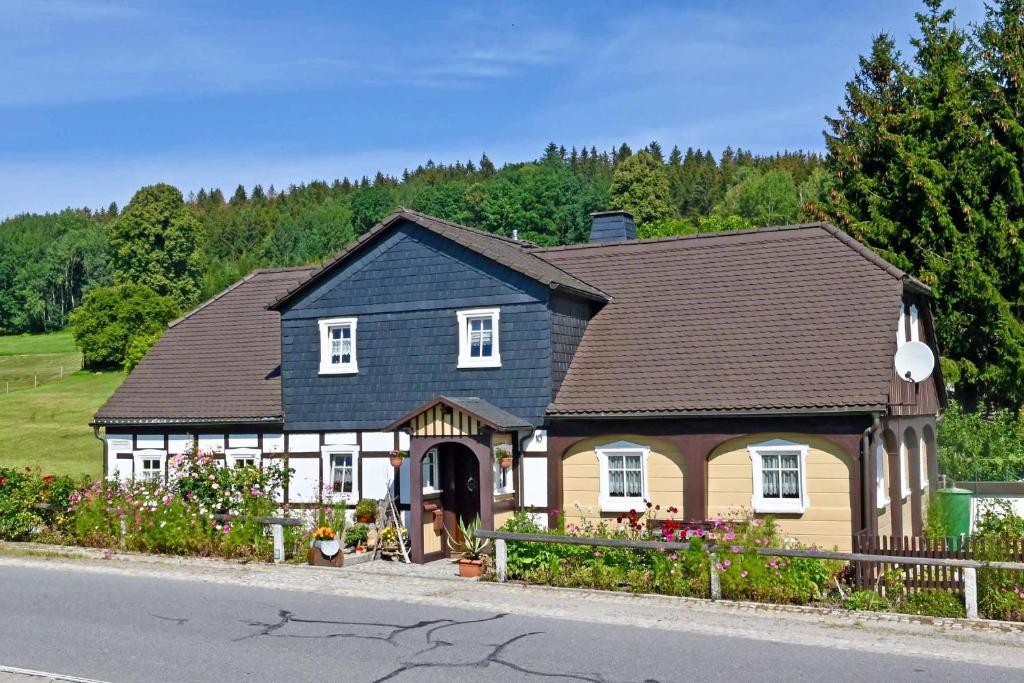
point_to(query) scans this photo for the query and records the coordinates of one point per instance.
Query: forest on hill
(924, 164)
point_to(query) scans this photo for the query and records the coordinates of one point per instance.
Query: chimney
(612, 226)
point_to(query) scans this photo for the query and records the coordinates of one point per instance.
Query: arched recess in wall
(585, 475)
(827, 472)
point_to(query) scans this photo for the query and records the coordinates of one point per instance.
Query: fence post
(716, 582)
(971, 592)
(277, 531)
(501, 559)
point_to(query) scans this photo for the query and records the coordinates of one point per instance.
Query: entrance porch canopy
(465, 416)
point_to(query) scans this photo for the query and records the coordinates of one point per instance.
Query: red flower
(2, 481)
(48, 478)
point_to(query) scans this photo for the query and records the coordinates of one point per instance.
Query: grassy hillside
(49, 426)
(28, 361)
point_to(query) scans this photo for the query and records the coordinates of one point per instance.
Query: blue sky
(98, 98)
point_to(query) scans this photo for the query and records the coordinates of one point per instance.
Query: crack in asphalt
(180, 621)
(432, 626)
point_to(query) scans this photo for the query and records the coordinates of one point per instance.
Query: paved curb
(44, 551)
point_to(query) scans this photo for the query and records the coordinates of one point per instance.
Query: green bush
(934, 602)
(981, 446)
(21, 490)
(114, 326)
(866, 601)
(357, 534)
(1000, 592)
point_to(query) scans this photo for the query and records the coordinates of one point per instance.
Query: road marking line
(44, 674)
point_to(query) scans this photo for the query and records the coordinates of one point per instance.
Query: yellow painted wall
(432, 542)
(885, 521)
(581, 479)
(826, 522)
(908, 519)
(501, 517)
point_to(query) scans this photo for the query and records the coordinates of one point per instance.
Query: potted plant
(325, 550)
(357, 535)
(366, 511)
(398, 457)
(471, 548)
(503, 454)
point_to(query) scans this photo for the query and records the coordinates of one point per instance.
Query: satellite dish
(914, 361)
(329, 548)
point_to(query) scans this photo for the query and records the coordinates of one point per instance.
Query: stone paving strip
(979, 641)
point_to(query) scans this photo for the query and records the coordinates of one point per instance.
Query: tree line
(924, 165)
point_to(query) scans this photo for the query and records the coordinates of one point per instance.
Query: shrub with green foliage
(1000, 592)
(933, 602)
(743, 573)
(981, 447)
(116, 325)
(21, 490)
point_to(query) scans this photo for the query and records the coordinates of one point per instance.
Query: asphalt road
(120, 628)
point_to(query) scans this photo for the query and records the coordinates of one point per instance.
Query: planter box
(318, 559)
(471, 569)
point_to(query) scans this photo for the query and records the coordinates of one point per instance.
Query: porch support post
(695, 449)
(557, 447)
(895, 427)
(417, 449)
(482, 450)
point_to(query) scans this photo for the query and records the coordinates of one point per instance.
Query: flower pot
(317, 559)
(471, 569)
(364, 519)
(506, 462)
(397, 462)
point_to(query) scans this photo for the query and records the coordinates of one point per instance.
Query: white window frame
(149, 454)
(606, 501)
(915, 332)
(510, 484)
(430, 462)
(881, 490)
(779, 447)
(901, 329)
(326, 366)
(233, 455)
(904, 470)
(326, 456)
(465, 359)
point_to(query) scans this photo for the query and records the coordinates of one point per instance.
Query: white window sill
(883, 503)
(466, 364)
(905, 493)
(338, 370)
(787, 507)
(430, 490)
(622, 504)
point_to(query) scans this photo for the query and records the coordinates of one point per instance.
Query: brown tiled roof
(218, 363)
(513, 254)
(794, 319)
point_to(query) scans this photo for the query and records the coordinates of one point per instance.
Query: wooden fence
(968, 567)
(904, 550)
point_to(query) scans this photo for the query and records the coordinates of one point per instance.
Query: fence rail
(968, 567)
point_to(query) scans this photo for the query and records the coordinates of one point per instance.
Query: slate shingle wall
(568, 323)
(405, 293)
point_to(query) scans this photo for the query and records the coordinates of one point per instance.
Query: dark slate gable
(405, 291)
(568, 323)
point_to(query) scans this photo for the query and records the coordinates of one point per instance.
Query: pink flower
(730, 536)
(727, 562)
(719, 567)
(757, 522)
(597, 553)
(774, 563)
(736, 549)
(673, 556)
(743, 573)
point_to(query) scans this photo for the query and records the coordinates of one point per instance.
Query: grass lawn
(49, 426)
(54, 342)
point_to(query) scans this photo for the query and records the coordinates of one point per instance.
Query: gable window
(149, 465)
(430, 476)
(479, 338)
(242, 457)
(780, 476)
(340, 465)
(623, 472)
(338, 346)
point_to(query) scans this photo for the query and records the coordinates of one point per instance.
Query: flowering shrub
(743, 574)
(21, 490)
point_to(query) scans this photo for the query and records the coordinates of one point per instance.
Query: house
(750, 369)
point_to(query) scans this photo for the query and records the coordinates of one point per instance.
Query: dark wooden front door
(460, 493)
